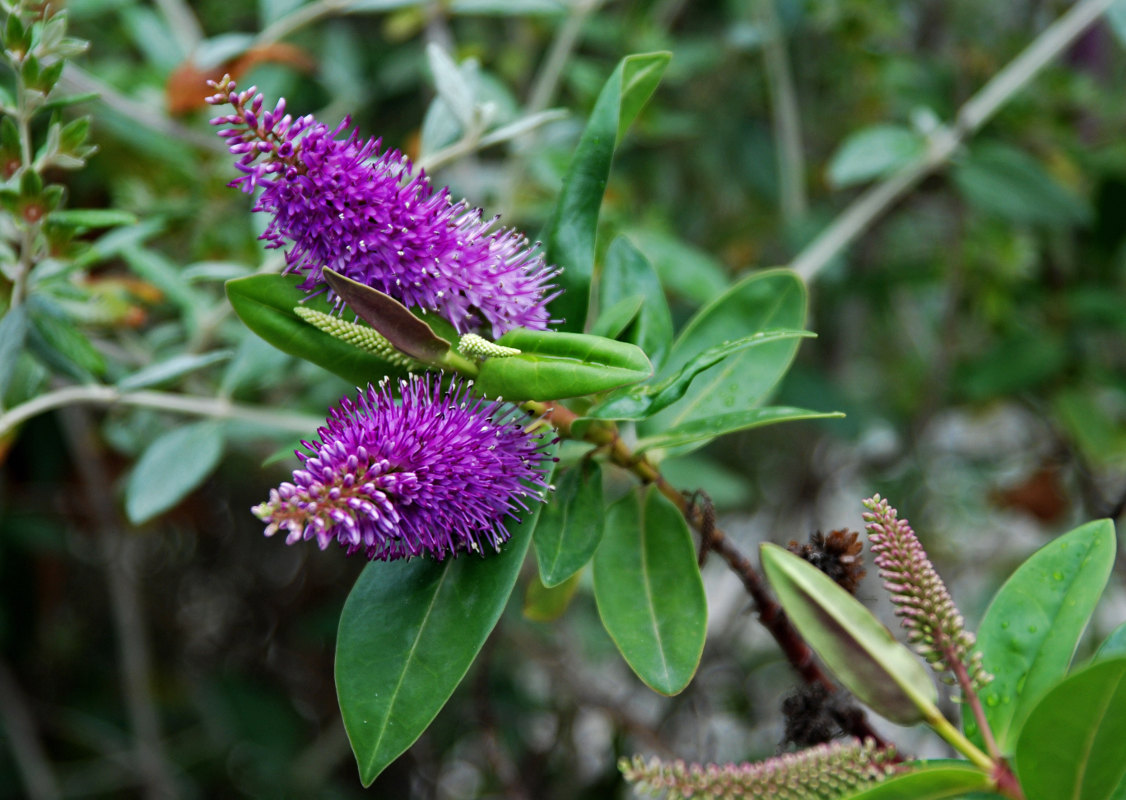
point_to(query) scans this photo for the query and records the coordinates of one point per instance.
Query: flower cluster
(341, 203)
(934, 625)
(824, 772)
(436, 473)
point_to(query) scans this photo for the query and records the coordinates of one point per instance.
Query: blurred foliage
(973, 336)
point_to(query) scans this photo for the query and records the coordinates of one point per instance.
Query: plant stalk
(855, 220)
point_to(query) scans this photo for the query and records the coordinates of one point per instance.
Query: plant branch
(164, 401)
(27, 751)
(547, 79)
(785, 117)
(122, 565)
(770, 614)
(944, 142)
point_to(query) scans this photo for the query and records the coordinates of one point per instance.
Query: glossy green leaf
(874, 152)
(266, 302)
(408, 633)
(639, 402)
(570, 527)
(627, 273)
(613, 319)
(864, 655)
(13, 333)
(648, 589)
(688, 272)
(570, 233)
(170, 369)
(172, 467)
(406, 332)
(704, 430)
(1073, 744)
(1032, 626)
(549, 603)
(1113, 645)
(927, 782)
(769, 300)
(555, 365)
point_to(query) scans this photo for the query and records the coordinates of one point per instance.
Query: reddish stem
(770, 614)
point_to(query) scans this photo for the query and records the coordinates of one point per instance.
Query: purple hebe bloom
(341, 203)
(437, 473)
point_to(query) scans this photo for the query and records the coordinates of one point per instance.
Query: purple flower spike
(435, 474)
(934, 625)
(341, 203)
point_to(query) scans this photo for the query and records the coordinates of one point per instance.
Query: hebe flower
(824, 772)
(934, 625)
(436, 473)
(340, 202)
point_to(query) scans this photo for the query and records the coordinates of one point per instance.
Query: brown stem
(770, 614)
(121, 557)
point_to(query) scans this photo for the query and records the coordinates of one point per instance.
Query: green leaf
(685, 271)
(13, 332)
(1033, 625)
(704, 430)
(927, 782)
(266, 302)
(863, 654)
(1113, 645)
(170, 369)
(171, 468)
(408, 633)
(168, 277)
(570, 527)
(59, 344)
(406, 332)
(1008, 183)
(874, 152)
(640, 402)
(556, 365)
(649, 592)
(1073, 744)
(628, 273)
(92, 218)
(613, 319)
(570, 233)
(768, 300)
(547, 604)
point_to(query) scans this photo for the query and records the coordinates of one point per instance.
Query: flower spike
(934, 625)
(340, 202)
(436, 473)
(825, 772)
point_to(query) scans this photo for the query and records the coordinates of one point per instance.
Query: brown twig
(770, 614)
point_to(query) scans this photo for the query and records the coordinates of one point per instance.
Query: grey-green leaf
(172, 467)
